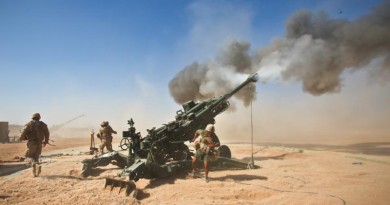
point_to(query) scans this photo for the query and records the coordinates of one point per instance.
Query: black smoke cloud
(200, 81)
(315, 51)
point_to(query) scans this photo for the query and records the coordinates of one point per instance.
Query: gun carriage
(163, 152)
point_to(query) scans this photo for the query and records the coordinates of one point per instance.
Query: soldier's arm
(113, 131)
(23, 135)
(197, 133)
(47, 134)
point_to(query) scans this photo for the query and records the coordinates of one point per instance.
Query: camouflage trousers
(106, 143)
(206, 153)
(34, 149)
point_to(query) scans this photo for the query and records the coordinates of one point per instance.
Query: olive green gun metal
(162, 152)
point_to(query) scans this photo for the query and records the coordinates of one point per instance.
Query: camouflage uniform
(204, 151)
(37, 133)
(106, 137)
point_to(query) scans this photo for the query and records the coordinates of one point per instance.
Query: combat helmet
(36, 116)
(104, 123)
(210, 128)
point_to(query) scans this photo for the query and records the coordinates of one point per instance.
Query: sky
(113, 60)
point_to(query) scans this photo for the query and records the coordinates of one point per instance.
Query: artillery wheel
(224, 151)
(125, 143)
(182, 153)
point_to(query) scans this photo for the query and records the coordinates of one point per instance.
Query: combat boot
(195, 173)
(206, 179)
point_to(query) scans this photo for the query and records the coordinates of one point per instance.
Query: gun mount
(162, 151)
(167, 141)
(130, 136)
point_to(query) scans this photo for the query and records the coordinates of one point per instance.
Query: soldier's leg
(36, 166)
(31, 153)
(109, 146)
(101, 147)
(198, 155)
(194, 162)
(206, 164)
(39, 170)
(34, 169)
(39, 167)
(206, 169)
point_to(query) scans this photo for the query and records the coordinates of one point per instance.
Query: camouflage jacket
(105, 132)
(35, 131)
(208, 137)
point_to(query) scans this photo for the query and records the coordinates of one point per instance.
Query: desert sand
(288, 175)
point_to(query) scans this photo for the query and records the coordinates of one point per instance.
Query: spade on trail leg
(128, 185)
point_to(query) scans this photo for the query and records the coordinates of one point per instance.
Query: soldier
(204, 149)
(37, 134)
(106, 137)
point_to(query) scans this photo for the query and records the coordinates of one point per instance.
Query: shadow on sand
(53, 177)
(167, 180)
(4, 197)
(183, 175)
(7, 169)
(95, 175)
(278, 157)
(239, 177)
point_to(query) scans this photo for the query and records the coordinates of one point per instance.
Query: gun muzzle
(254, 77)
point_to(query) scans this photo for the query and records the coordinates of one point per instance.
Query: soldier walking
(37, 134)
(106, 137)
(204, 149)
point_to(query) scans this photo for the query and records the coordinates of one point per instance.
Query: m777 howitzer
(163, 153)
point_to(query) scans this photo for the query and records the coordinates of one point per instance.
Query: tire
(224, 151)
(182, 153)
(125, 143)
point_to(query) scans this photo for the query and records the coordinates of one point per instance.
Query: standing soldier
(205, 149)
(37, 134)
(106, 137)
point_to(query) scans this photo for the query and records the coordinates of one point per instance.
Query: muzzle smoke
(315, 51)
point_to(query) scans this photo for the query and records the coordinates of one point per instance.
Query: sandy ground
(288, 175)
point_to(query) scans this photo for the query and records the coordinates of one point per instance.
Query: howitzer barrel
(252, 78)
(162, 152)
(221, 104)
